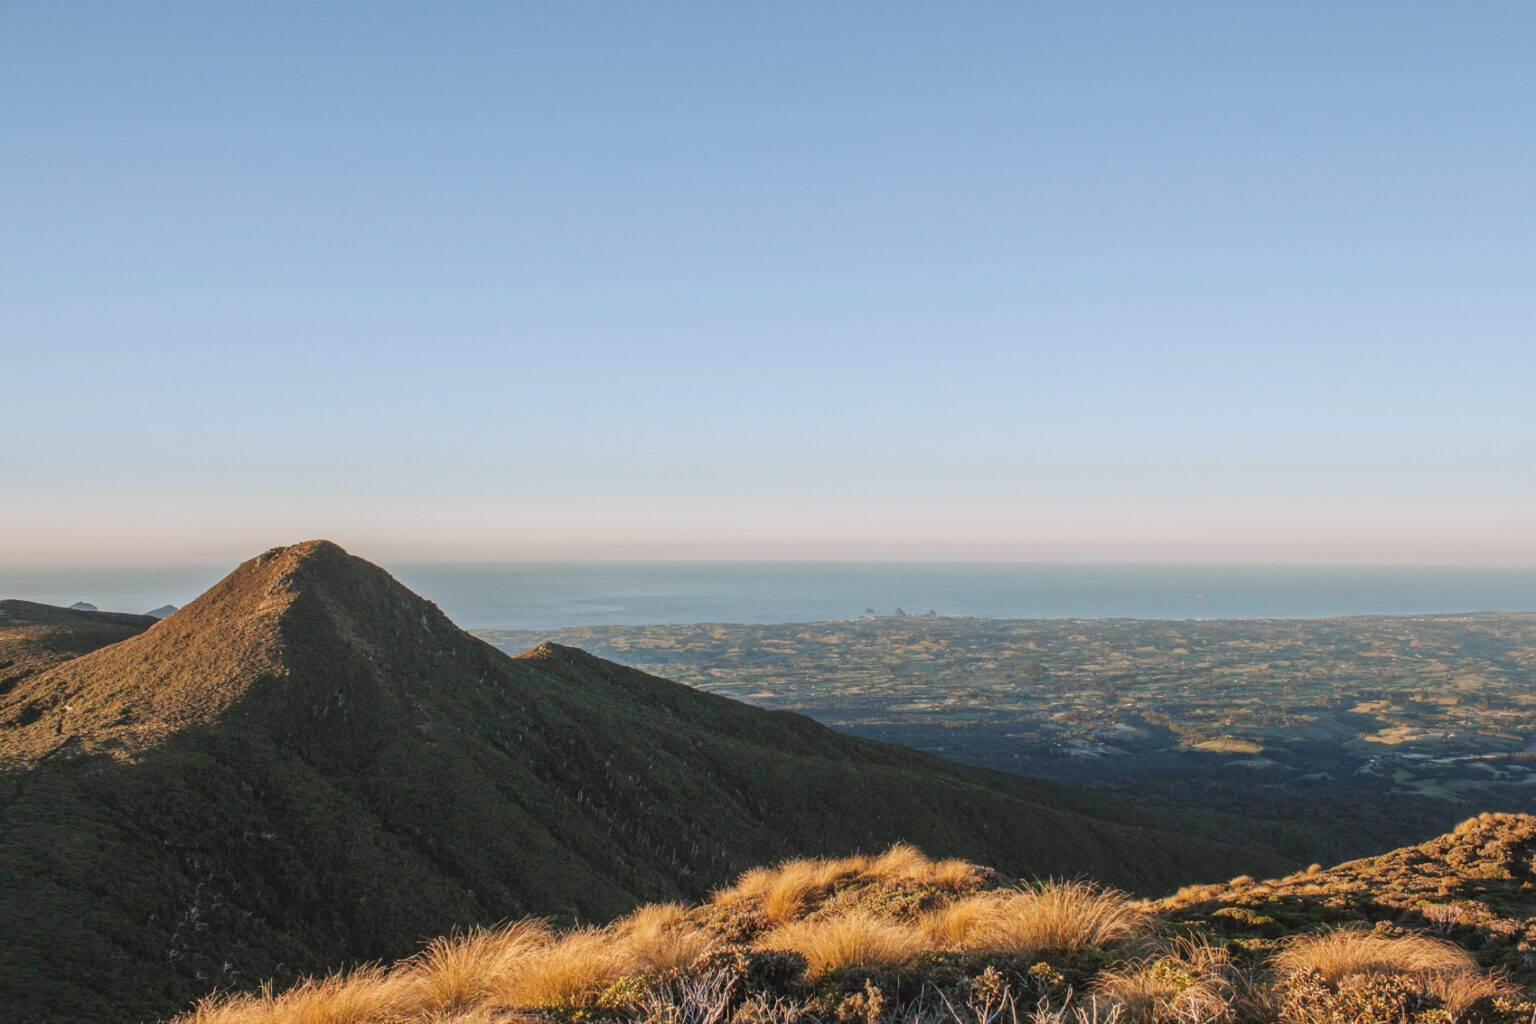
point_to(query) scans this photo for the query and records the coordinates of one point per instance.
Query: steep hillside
(1406, 938)
(310, 765)
(34, 637)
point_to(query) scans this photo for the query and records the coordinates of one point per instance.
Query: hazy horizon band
(555, 594)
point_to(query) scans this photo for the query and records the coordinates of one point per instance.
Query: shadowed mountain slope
(310, 765)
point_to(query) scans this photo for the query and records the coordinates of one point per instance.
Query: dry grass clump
(783, 892)
(466, 976)
(459, 970)
(1048, 917)
(569, 972)
(366, 996)
(1345, 952)
(1189, 894)
(1463, 994)
(954, 873)
(797, 881)
(575, 968)
(1056, 916)
(1191, 981)
(959, 924)
(854, 939)
(662, 937)
(1350, 975)
(905, 863)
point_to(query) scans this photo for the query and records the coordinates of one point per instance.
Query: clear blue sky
(1149, 281)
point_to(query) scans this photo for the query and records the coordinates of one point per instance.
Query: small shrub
(1357, 999)
(699, 999)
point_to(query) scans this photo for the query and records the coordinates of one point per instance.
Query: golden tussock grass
(577, 966)
(906, 863)
(1460, 993)
(902, 862)
(1189, 981)
(796, 882)
(460, 970)
(958, 924)
(855, 939)
(366, 996)
(568, 972)
(468, 976)
(1349, 951)
(785, 891)
(1049, 917)
(661, 937)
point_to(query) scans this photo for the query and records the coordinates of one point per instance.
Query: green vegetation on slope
(311, 766)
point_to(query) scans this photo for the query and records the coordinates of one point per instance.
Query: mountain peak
(303, 583)
(296, 566)
(302, 549)
(307, 552)
(549, 650)
(289, 637)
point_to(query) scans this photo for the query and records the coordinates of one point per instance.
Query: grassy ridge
(901, 939)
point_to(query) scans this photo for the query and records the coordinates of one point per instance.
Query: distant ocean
(547, 595)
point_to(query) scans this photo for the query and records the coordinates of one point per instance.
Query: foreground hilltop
(310, 765)
(1475, 885)
(1434, 934)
